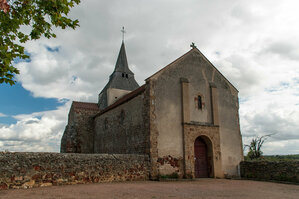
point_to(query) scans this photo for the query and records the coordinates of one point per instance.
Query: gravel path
(203, 188)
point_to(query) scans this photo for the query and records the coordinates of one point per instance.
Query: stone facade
(79, 132)
(187, 100)
(27, 170)
(123, 129)
(174, 109)
(265, 170)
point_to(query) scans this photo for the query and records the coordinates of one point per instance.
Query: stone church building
(185, 118)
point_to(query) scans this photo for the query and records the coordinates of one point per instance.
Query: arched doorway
(201, 158)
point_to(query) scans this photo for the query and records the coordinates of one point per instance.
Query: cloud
(285, 49)
(253, 43)
(41, 131)
(274, 111)
(2, 115)
(279, 147)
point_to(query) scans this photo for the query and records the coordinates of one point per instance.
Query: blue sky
(254, 44)
(17, 100)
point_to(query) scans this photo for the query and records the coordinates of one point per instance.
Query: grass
(171, 176)
(276, 158)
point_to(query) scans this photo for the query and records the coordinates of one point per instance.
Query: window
(123, 75)
(122, 116)
(126, 75)
(106, 123)
(199, 102)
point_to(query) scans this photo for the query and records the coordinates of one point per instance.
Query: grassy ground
(277, 158)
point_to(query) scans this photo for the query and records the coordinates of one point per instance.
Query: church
(185, 117)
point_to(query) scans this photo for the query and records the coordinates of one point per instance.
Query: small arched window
(106, 123)
(122, 116)
(199, 102)
(126, 75)
(123, 75)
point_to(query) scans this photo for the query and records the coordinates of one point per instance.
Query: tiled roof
(124, 99)
(86, 105)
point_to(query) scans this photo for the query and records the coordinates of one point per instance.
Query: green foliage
(40, 16)
(171, 176)
(281, 157)
(275, 158)
(255, 146)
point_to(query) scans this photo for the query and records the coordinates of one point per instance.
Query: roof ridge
(85, 105)
(181, 57)
(167, 66)
(84, 102)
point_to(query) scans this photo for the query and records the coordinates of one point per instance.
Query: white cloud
(39, 131)
(2, 115)
(253, 43)
(274, 111)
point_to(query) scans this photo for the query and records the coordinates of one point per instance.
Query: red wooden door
(200, 157)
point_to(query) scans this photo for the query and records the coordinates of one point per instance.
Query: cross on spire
(192, 45)
(123, 33)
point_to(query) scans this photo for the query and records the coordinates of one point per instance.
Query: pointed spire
(122, 63)
(122, 78)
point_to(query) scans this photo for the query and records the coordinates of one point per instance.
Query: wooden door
(200, 157)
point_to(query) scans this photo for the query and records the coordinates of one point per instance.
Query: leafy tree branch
(40, 16)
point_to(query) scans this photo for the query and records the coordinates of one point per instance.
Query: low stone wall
(265, 170)
(27, 170)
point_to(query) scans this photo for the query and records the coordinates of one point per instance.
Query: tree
(40, 16)
(255, 146)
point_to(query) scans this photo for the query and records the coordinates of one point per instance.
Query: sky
(255, 44)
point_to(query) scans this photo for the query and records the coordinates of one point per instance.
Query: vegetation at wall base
(170, 176)
(270, 158)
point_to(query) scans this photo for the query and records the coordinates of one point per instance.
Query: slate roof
(122, 62)
(121, 78)
(85, 106)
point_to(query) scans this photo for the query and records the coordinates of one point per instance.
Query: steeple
(121, 81)
(122, 63)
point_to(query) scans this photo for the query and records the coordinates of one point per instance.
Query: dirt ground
(203, 188)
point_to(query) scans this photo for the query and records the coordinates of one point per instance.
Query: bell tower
(121, 81)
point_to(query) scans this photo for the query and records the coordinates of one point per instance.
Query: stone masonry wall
(265, 170)
(79, 132)
(123, 129)
(166, 112)
(27, 170)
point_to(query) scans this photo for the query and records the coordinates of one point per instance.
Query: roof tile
(86, 105)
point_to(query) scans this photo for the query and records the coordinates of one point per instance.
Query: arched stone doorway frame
(211, 135)
(209, 154)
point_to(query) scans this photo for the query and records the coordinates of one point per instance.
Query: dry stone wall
(265, 170)
(27, 170)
